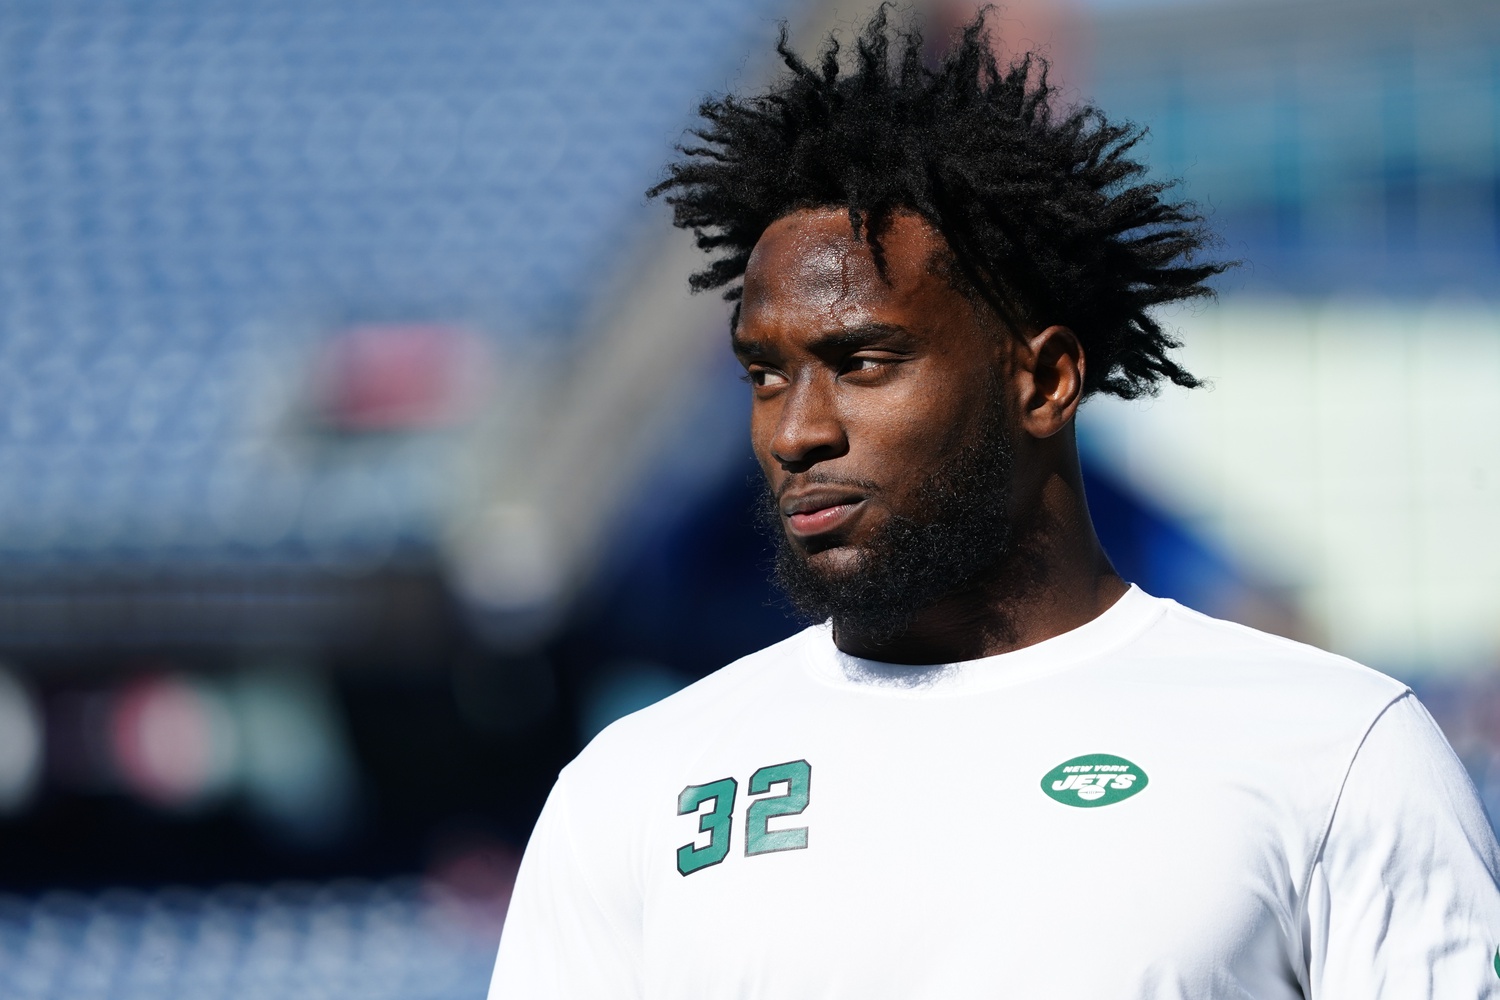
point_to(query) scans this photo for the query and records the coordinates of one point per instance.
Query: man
(997, 770)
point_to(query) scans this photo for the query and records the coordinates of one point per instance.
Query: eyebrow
(857, 336)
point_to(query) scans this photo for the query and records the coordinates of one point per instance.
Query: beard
(906, 566)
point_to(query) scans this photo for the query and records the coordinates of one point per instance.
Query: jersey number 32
(717, 821)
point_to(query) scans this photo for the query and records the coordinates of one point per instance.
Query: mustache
(823, 479)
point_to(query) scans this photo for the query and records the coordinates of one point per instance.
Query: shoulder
(1227, 653)
(1237, 687)
(696, 714)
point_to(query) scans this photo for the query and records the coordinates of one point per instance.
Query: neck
(1056, 579)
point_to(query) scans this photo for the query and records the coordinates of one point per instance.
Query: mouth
(819, 513)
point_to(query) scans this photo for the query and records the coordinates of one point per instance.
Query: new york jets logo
(1095, 779)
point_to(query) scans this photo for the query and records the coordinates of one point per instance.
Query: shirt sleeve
(567, 935)
(1403, 901)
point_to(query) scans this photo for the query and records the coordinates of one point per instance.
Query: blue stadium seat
(191, 197)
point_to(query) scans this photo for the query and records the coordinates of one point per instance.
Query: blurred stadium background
(361, 454)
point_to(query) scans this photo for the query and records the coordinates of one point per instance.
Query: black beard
(907, 566)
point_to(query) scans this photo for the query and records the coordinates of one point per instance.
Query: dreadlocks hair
(1047, 218)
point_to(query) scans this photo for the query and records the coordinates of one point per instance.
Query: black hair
(1047, 217)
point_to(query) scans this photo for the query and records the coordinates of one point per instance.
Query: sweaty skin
(864, 384)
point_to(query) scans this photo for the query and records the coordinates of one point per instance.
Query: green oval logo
(1095, 779)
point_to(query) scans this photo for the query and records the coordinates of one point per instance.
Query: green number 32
(718, 820)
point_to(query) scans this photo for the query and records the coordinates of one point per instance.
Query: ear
(1051, 377)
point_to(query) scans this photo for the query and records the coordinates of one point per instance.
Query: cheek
(765, 422)
(762, 429)
(915, 428)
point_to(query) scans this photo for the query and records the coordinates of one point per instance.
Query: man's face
(879, 418)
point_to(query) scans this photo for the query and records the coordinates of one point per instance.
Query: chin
(836, 562)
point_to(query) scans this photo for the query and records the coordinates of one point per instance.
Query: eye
(865, 363)
(763, 377)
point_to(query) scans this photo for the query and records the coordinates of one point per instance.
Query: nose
(808, 426)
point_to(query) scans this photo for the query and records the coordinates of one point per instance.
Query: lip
(818, 511)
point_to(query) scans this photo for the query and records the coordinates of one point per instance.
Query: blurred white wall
(1348, 449)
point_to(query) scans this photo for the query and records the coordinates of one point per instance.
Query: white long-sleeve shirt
(1156, 804)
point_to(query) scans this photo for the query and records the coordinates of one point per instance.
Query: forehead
(809, 267)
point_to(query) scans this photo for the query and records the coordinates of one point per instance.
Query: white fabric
(1302, 830)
